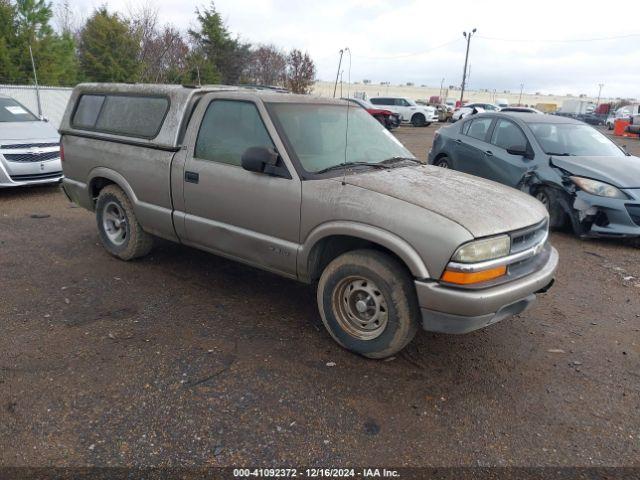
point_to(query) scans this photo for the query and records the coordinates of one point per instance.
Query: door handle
(191, 177)
(489, 153)
(458, 140)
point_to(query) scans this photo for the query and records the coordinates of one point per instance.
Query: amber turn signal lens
(467, 278)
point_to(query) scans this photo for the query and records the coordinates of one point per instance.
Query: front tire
(418, 120)
(557, 215)
(120, 233)
(368, 303)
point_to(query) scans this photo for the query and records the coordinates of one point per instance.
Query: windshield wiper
(353, 164)
(561, 154)
(400, 159)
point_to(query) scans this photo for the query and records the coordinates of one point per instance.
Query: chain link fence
(53, 99)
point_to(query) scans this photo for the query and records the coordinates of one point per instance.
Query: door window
(507, 134)
(479, 128)
(228, 128)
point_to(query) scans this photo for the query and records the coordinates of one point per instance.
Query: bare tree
(267, 66)
(167, 58)
(301, 72)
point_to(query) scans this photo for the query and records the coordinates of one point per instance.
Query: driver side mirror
(264, 160)
(520, 150)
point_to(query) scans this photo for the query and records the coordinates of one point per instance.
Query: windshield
(574, 139)
(317, 135)
(12, 111)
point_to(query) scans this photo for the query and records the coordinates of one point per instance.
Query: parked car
(29, 147)
(469, 108)
(592, 118)
(444, 112)
(583, 178)
(409, 111)
(386, 117)
(622, 112)
(521, 110)
(277, 181)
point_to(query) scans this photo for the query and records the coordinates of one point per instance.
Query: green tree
(217, 57)
(108, 49)
(27, 24)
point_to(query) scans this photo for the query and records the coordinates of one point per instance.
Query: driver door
(252, 217)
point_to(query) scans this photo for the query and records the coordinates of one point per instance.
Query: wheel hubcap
(443, 164)
(114, 223)
(360, 307)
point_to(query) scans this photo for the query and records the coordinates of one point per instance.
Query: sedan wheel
(442, 162)
(549, 198)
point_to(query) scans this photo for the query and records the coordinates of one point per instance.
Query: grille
(16, 146)
(528, 237)
(31, 157)
(36, 176)
(634, 212)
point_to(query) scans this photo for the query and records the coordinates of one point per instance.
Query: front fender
(382, 237)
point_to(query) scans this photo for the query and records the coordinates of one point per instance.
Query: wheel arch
(330, 240)
(101, 177)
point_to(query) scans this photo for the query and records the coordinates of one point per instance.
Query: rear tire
(442, 162)
(368, 303)
(120, 233)
(418, 120)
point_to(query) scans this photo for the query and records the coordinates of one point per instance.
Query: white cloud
(383, 28)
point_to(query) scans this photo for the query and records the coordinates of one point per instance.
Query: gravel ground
(187, 359)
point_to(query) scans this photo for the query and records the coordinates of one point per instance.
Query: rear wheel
(368, 303)
(442, 162)
(418, 120)
(120, 232)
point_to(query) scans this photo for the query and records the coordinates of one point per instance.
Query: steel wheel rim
(114, 223)
(360, 308)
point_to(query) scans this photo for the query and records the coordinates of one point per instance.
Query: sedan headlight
(594, 187)
(482, 250)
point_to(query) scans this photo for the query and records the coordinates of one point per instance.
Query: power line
(575, 40)
(406, 55)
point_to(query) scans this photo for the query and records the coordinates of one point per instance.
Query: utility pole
(35, 79)
(335, 86)
(441, 90)
(520, 97)
(466, 60)
(599, 92)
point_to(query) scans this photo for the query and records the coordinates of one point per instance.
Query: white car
(409, 111)
(467, 109)
(29, 147)
(623, 112)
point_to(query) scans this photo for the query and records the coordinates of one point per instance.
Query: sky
(551, 46)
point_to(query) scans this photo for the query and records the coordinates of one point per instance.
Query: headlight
(485, 249)
(594, 187)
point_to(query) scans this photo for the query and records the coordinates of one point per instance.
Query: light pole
(520, 97)
(466, 60)
(599, 92)
(35, 79)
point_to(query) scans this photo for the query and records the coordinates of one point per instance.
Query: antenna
(346, 130)
(335, 85)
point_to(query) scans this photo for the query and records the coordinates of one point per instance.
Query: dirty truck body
(393, 244)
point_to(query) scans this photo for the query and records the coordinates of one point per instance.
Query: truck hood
(27, 131)
(623, 172)
(481, 206)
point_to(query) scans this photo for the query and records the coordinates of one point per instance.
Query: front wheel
(368, 303)
(121, 234)
(418, 120)
(549, 198)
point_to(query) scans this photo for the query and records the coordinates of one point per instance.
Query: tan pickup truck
(312, 189)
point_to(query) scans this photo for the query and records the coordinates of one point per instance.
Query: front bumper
(32, 173)
(609, 217)
(455, 310)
